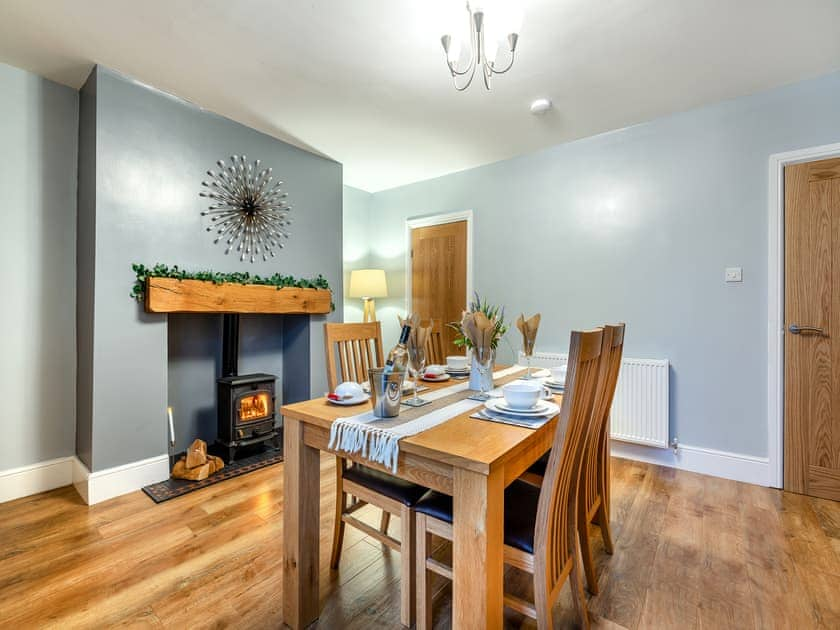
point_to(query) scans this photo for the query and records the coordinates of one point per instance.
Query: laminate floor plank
(691, 552)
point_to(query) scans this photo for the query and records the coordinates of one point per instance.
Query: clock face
(248, 211)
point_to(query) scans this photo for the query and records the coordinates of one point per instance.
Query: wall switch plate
(733, 274)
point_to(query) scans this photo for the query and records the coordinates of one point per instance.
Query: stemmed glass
(416, 365)
(483, 361)
(528, 351)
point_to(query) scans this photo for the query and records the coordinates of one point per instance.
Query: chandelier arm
(509, 66)
(459, 73)
(468, 83)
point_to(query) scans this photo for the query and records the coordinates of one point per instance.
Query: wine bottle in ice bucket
(398, 356)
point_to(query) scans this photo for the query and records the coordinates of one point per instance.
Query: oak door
(812, 328)
(439, 276)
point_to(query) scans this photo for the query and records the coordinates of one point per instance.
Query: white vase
(476, 377)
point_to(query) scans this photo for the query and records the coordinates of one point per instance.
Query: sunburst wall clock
(248, 212)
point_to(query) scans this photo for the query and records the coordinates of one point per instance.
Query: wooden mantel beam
(170, 295)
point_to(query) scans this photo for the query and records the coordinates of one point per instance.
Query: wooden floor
(691, 551)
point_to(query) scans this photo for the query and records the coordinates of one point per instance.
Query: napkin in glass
(528, 328)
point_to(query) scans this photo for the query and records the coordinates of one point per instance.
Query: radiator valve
(675, 444)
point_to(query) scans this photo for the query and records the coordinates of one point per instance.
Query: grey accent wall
(638, 225)
(38, 135)
(152, 151)
(85, 268)
(356, 246)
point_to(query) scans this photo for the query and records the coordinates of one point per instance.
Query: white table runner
(377, 439)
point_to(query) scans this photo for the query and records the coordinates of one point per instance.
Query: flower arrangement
(494, 313)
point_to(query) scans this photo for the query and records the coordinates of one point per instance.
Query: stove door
(254, 406)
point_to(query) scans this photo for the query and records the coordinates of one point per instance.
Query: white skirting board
(92, 487)
(26, 480)
(706, 461)
(112, 482)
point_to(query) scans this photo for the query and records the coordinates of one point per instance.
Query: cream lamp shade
(368, 284)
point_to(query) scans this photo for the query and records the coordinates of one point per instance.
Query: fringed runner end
(374, 444)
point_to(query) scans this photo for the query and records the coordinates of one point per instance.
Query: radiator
(639, 412)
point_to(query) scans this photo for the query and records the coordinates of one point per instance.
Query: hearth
(246, 403)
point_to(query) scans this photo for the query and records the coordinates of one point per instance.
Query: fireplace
(246, 403)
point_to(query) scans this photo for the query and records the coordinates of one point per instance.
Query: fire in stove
(254, 407)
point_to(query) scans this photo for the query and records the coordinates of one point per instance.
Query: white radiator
(640, 407)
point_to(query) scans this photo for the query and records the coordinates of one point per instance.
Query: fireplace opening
(246, 403)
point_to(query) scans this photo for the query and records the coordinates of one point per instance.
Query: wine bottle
(398, 356)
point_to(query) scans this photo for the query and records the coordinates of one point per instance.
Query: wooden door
(439, 276)
(812, 328)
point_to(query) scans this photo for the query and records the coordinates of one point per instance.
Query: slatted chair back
(595, 475)
(434, 343)
(555, 542)
(351, 350)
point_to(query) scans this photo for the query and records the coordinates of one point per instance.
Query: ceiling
(364, 82)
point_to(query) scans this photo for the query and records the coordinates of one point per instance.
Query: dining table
(470, 459)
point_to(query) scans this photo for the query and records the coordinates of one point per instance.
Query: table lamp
(368, 284)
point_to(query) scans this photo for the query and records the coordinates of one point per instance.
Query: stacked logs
(197, 464)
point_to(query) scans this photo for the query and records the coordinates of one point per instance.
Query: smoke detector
(540, 106)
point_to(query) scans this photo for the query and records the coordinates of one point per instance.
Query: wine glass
(528, 351)
(483, 361)
(416, 365)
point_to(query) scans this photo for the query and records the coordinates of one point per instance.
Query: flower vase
(476, 377)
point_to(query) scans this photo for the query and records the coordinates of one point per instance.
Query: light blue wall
(38, 136)
(638, 225)
(355, 244)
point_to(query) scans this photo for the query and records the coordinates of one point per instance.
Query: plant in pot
(493, 317)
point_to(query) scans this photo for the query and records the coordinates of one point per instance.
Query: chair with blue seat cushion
(532, 513)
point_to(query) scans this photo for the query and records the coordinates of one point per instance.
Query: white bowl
(558, 374)
(435, 370)
(521, 395)
(456, 362)
(349, 388)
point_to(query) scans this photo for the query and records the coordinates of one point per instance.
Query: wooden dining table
(472, 460)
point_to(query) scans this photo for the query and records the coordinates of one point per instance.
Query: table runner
(377, 439)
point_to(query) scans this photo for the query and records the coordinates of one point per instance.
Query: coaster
(410, 402)
(479, 397)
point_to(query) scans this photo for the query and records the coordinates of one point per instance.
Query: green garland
(277, 280)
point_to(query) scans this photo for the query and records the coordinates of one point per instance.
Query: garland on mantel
(277, 280)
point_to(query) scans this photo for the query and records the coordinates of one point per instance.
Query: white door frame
(438, 219)
(776, 302)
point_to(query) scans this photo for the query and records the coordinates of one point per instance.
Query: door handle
(797, 330)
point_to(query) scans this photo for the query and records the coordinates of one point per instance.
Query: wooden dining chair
(594, 494)
(351, 349)
(434, 343)
(540, 533)
(594, 499)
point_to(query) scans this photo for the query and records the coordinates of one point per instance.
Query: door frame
(776, 302)
(438, 219)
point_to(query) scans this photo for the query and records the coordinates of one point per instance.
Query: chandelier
(491, 27)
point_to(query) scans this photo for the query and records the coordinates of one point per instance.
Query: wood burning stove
(246, 403)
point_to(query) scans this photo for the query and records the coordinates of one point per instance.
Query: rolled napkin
(528, 328)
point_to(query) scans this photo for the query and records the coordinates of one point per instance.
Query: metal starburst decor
(248, 212)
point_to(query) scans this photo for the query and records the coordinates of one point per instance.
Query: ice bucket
(386, 392)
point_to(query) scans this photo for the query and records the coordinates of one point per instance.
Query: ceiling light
(491, 26)
(540, 106)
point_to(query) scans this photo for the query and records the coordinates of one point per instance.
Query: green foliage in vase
(278, 280)
(496, 313)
